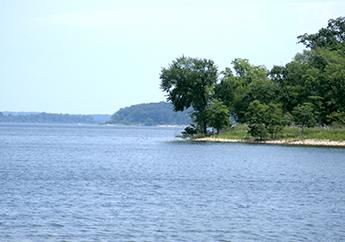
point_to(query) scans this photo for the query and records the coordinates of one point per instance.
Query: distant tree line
(308, 91)
(52, 118)
(160, 113)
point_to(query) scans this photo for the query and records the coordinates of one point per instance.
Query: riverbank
(334, 137)
(304, 142)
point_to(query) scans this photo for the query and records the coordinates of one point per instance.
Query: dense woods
(308, 91)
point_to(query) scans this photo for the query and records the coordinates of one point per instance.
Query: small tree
(265, 119)
(304, 116)
(256, 120)
(275, 119)
(218, 115)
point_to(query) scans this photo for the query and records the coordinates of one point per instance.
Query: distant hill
(150, 114)
(33, 117)
(141, 114)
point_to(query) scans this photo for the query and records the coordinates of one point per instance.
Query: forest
(307, 92)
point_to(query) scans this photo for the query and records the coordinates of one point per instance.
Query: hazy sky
(78, 56)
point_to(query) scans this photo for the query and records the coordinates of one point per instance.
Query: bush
(265, 119)
(304, 116)
(336, 119)
(189, 131)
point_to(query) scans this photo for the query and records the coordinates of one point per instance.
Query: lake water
(101, 183)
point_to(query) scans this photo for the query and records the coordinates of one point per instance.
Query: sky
(84, 57)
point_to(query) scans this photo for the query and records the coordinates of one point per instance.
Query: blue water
(100, 183)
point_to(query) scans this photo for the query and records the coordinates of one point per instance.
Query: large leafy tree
(249, 82)
(233, 92)
(332, 37)
(247, 71)
(296, 81)
(316, 76)
(225, 89)
(190, 82)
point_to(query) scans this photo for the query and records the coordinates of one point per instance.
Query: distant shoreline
(294, 142)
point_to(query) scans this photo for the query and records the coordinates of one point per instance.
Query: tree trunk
(204, 127)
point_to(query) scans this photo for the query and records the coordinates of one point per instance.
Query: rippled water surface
(99, 183)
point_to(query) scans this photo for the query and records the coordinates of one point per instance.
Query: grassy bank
(290, 133)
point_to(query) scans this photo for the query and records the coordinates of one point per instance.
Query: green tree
(316, 76)
(331, 37)
(303, 116)
(249, 72)
(234, 92)
(322, 80)
(190, 82)
(277, 74)
(249, 82)
(265, 119)
(293, 88)
(256, 120)
(334, 86)
(337, 119)
(218, 115)
(225, 89)
(264, 90)
(303, 80)
(275, 119)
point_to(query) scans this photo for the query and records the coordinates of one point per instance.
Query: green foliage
(304, 116)
(257, 130)
(250, 82)
(275, 119)
(264, 91)
(226, 91)
(218, 115)
(277, 74)
(310, 89)
(337, 119)
(190, 82)
(265, 119)
(249, 72)
(331, 37)
(256, 118)
(316, 76)
(334, 73)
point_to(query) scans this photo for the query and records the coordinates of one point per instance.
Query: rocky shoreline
(305, 142)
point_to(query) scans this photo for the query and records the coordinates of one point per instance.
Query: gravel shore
(311, 142)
